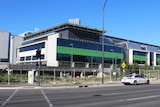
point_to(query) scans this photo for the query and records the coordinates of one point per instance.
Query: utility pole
(103, 42)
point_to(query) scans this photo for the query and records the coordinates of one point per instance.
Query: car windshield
(130, 75)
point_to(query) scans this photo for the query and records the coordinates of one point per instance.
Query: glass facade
(87, 52)
(157, 59)
(106, 41)
(139, 57)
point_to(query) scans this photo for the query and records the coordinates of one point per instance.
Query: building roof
(63, 27)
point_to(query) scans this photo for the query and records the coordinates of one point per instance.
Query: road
(117, 96)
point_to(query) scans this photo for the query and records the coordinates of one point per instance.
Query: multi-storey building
(69, 45)
(8, 46)
(4, 46)
(138, 52)
(74, 46)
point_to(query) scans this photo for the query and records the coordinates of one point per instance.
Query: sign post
(123, 65)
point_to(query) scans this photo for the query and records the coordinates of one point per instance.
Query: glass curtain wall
(90, 52)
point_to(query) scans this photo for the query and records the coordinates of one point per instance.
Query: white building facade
(4, 46)
(8, 46)
(47, 43)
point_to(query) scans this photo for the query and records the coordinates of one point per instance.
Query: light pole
(9, 73)
(71, 55)
(12, 50)
(72, 63)
(38, 55)
(112, 50)
(103, 41)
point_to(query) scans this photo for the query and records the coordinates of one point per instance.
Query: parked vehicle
(135, 79)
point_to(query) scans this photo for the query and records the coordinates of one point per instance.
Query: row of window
(139, 62)
(157, 55)
(29, 58)
(139, 53)
(32, 47)
(90, 59)
(3, 60)
(87, 45)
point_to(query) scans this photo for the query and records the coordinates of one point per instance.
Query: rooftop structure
(62, 27)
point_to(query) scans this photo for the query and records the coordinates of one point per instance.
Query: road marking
(141, 98)
(111, 94)
(9, 98)
(46, 98)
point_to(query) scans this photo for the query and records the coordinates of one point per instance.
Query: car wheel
(125, 83)
(147, 81)
(135, 82)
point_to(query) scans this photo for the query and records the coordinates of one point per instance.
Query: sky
(137, 20)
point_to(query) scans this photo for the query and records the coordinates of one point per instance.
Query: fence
(66, 75)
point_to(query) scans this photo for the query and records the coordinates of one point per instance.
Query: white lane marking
(46, 98)
(112, 94)
(9, 98)
(141, 98)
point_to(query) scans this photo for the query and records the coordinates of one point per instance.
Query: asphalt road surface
(117, 96)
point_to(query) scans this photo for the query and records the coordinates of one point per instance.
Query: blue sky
(137, 20)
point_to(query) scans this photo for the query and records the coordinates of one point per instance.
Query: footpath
(65, 85)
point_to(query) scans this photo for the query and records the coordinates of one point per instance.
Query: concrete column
(130, 56)
(148, 58)
(154, 59)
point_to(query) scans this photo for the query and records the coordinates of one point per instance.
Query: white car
(134, 79)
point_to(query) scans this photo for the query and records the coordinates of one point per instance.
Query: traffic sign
(123, 65)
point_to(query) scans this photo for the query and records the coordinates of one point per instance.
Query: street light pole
(112, 50)
(9, 73)
(72, 64)
(38, 55)
(103, 41)
(71, 55)
(13, 40)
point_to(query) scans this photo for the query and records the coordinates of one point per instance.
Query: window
(139, 62)
(3, 60)
(22, 58)
(130, 75)
(34, 58)
(28, 58)
(42, 56)
(136, 76)
(32, 47)
(139, 53)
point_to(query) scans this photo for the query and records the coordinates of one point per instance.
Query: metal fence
(73, 76)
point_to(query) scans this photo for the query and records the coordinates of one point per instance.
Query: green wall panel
(86, 52)
(158, 59)
(139, 58)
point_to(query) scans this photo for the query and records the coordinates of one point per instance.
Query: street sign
(123, 65)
